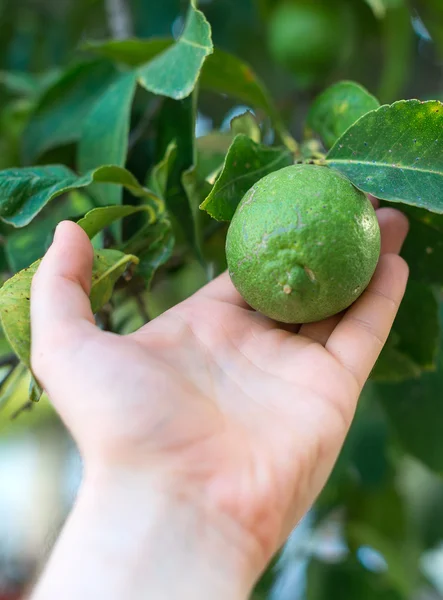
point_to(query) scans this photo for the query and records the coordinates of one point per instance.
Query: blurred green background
(377, 530)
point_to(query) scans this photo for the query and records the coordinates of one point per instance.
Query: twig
(119, 19)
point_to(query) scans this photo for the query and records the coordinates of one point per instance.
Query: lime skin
(303, 244)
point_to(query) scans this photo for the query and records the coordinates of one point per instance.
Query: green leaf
(337, 108)
(402, 574)
(221, 72)
(406, 355)
(61, 111)
(24, 192)
(153, 244)
(131, 52)
(35, 390)
(196, 190)
(378, 518)
(8, 389)
(227, 74)
(158, 252)
(211, 152)
(98, 219)
(27, 85)
(176, 124)
(245, 163)
(395, 153)
(423, 248)
(26, 245)
(398, 50)
(393, 365)
(174, 73)
(105, 132)
(347, 580)
(158, 178)
(109, 265)
(246, 124)
(415, 413)
(431, 11)
(382, 509)
(19, 83)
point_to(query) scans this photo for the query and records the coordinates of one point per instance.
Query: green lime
(307, 37)
(303, 244)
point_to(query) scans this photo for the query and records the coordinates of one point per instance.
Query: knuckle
(368, 327)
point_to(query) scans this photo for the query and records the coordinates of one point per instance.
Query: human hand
(211, 402)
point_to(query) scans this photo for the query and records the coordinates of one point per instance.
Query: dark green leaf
(18, 82)
(27, 85)
(131, 52)
(406, 355)
(245, 163)
(227, 74)
(347, 581)
(177, 124)
(221, 72)
(35, 390)
(26, 245)
(378, 519)
(109, 265)
(423, 248)
(393, 365)
(395, 153)
(159, 250)
(431, 11)
(24, 192)
(158, 178)
(99, 218)
(419, 312)
(381, 509)
(174, 73)
(153, 244)
(398, 47)
(337, 108)
(104, 138)
(402, 574)
(246, 124)
(196, 190)
(62, 110)
(415, 413)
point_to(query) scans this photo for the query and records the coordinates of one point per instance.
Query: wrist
(181, 545)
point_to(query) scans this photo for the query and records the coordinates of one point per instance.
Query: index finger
(360, 336)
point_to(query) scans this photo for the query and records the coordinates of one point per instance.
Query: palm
(244, 414)
(279, 403)
(243, 406)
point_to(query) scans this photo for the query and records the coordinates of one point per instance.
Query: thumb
(60, 308)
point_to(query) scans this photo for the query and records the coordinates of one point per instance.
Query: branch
(119, 19)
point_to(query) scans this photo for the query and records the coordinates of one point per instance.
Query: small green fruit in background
(309, 37)
(303, 244)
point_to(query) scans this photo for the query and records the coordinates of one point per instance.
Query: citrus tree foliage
(135, 139)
